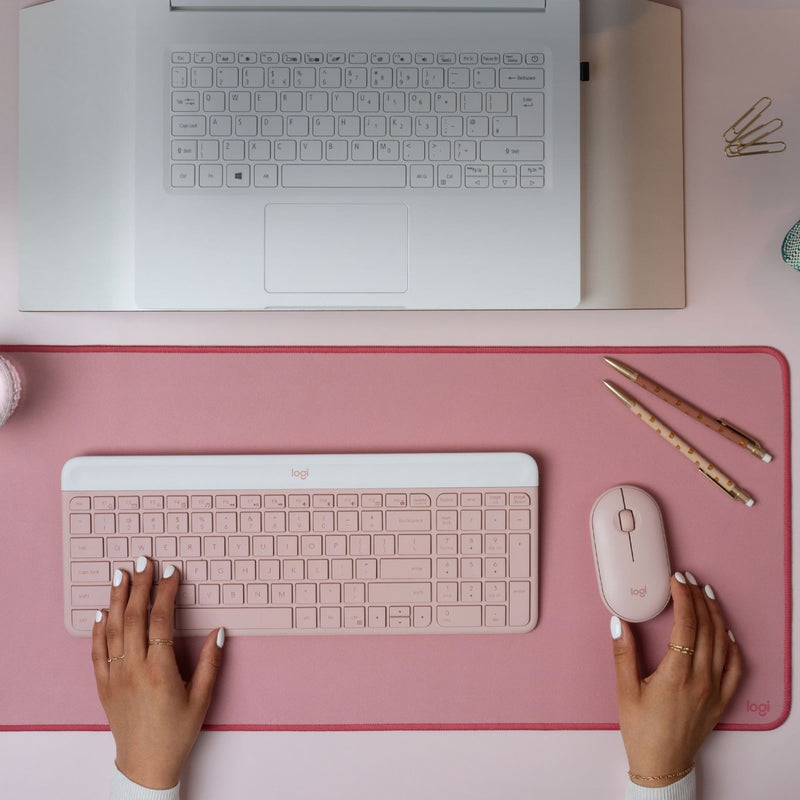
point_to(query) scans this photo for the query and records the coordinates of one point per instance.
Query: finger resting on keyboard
(135, 628)
(115, 621)
(201, 685)
(161, 616)
(100, 653)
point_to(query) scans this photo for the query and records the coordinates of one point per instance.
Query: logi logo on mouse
(640, 592)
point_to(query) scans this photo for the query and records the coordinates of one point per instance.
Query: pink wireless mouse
(630, 553)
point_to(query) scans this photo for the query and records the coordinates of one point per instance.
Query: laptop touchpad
(336, 247)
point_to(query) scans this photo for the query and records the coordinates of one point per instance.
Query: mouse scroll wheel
(626, 522)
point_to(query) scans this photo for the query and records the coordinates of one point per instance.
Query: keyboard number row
(230, 77)
(370, 521)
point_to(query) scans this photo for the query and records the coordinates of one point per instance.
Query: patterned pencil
(705, 466)
(721, 426)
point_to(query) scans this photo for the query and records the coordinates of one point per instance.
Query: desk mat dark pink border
(548, 402)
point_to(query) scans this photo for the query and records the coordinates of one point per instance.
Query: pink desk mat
(547, 402)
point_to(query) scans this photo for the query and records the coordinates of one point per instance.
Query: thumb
(205, 674)
(625, 659)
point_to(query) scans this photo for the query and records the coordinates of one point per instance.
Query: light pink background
(739, 292)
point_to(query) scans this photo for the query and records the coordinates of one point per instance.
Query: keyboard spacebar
(206, 619)
(344, 176)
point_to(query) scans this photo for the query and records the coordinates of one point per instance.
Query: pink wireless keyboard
(322, 544)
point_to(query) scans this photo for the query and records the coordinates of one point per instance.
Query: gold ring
(115, 658)
(160, 641)
(680, 648)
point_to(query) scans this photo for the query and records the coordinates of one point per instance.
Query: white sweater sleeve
(684, 789)
(124, 789)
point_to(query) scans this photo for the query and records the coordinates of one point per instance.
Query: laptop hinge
(358, 5)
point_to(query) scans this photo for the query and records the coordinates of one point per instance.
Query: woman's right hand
(665, 717)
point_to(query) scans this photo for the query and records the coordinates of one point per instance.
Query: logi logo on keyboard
(299, 473)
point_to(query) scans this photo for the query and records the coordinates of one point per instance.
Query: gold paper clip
(746, 138)
(755, 135)
(747, 120)
(755, 149)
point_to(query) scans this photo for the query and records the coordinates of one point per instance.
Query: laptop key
(528, 108)
(521, 78)
(512, 150)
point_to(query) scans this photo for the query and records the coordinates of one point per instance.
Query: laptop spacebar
(344, 176)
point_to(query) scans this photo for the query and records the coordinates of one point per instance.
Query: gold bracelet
(653, 778)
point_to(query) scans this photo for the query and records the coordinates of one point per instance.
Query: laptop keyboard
(366, 559)
(265, 120)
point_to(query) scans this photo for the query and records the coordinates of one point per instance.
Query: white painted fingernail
(710, 593)
(141, 564)
(680, 578)
(220, 637)
(98, 616)
(616, 628)
(117, 577)
(691, 578)
(169, 570)
(731, 636)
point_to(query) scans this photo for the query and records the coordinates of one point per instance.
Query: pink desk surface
(548, 402)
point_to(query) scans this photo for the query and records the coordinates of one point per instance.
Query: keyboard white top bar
(341, 471)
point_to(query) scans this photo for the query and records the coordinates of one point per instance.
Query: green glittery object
(790, 250)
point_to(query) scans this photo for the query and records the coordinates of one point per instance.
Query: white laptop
(376, 153)
(345, 153)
